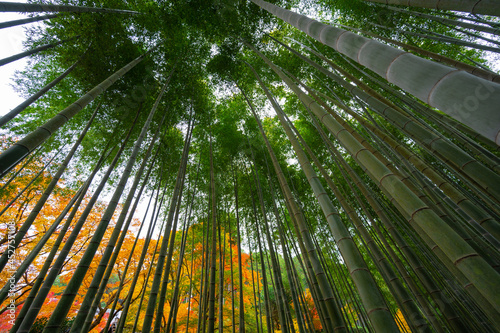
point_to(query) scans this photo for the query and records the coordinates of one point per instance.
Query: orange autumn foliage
(57, 201)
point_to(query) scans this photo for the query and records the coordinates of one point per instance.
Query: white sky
(11, 40)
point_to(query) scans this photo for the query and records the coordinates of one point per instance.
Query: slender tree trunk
(26, 20)
(19, 237)
(148, 319)
(241, 306)
(21, 55)
(445, 149)
(446, 21)
(456, 249)
(47, 192)
(190, 281)
(222, 249)
(109, 256)
(427, 34)
(487, 75)
(278, 282)
(173, 310)
(105, 268)
(171, 239)
(35, 307)
(125, 271)
(401, 295)
(21, 107)
(469, 6)
(369, 292)
(21, 168)
(69, 294)
(334, 319)
(139, 267)
(32, 7)
(154, 220)
(430, 285)
(265, 283)
(211, 293)
(14, 154)
(75, 203)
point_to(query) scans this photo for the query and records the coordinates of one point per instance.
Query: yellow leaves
(402, 324)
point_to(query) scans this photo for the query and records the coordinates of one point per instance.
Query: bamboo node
(465, 257)
(377, 309)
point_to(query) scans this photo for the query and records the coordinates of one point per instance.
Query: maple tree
(56, 203)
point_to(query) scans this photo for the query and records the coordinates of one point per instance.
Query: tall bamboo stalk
(433, 83)
(69, 294)
(33, 7)
(334, 319)
(21, 55)
(455, 248)
(18, 109)
(14, 154)
(369, 292)
(102, 274)
(213, 250)
(47, 192)
(155, 288)
(468, 6)
(35, 307)
(14, 23)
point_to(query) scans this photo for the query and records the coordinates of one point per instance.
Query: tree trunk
(211, 293)
(18, 109)
(334, 316)
(26, 20)
(485, 7)
(32, 7)
(21, 55)
(14, 154)
(47, 192)
(465, 97)
(35, 307)
(456, 249)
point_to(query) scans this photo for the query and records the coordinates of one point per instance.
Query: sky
(11, 40)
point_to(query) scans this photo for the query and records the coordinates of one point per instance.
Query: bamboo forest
(255, 166)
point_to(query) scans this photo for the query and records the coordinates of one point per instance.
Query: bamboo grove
(248, 166)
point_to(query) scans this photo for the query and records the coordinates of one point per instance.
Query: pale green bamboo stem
(431, 287)
(485, 7)
(481, 217)
(101, 276)
(33, 7)
(18, 109)
(332, 314)
(148, 319)
(14, 154)
(38, 301)
(71, 290)
(487, 75)
(448, 152)
(368, 290)
(453, 22)
(481, 275)
(46, 193)
(21, 55)
(26, 20)
(439, 86)
(404, 299)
